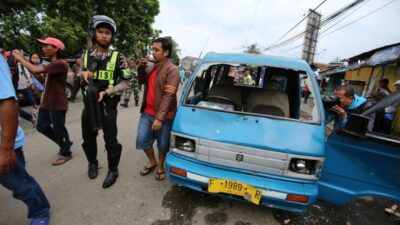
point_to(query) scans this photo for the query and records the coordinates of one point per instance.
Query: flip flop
(146, 170)
(159, 177)
(61, 160)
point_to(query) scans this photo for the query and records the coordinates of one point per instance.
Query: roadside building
(332, 78)
(189, 62)
(367, 69)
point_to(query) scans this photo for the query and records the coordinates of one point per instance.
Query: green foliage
(175, 51)
(252, 49)
(25, 20)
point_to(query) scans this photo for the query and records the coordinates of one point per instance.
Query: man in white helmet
(101, 64)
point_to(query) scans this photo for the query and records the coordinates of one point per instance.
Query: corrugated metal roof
(383, 55)
(370, 52)
(334, 72)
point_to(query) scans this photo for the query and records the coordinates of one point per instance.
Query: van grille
(252, 159)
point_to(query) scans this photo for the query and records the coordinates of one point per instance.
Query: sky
(228, 25)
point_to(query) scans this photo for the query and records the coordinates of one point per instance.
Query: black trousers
(89, 135)
(75, 88)
(51, 123)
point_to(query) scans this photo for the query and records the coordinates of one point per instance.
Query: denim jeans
(25, 188)
(145, 136)
(28, 96)
(25, 115)
(51, 123)
(30, 100)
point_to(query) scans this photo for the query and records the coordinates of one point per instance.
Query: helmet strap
(103, 46)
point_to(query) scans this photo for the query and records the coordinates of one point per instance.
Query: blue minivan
(242, 131)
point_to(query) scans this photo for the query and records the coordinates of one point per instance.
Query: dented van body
(260, 142)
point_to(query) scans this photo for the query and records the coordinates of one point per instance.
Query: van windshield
(254, 89)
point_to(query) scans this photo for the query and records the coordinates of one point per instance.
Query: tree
(252, 49)
(175, 51)
(26, 20)
(19, 22)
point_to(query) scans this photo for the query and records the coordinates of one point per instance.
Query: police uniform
(107, 74)
(134, 88)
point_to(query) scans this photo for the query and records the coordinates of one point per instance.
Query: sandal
(61, 160)
(146, 170)
(159, 176)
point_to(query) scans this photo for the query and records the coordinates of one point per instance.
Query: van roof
(258, 59)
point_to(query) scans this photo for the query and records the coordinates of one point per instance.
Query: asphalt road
(76, 200)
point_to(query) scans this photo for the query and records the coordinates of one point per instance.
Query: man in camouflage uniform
(134, 86)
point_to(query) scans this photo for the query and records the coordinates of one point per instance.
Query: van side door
(355, 167)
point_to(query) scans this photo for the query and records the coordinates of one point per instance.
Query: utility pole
(311, 36)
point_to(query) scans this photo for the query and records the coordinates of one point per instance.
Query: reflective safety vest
(107, 73)
(126, 73)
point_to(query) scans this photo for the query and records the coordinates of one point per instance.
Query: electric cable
(298, 23)
(362, 17)
(329, 19)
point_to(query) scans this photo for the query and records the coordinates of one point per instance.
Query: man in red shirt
(158, 107)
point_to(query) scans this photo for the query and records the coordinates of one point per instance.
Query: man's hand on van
(339, 111)
(156, 125)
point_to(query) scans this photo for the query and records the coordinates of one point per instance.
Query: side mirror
(357, 125)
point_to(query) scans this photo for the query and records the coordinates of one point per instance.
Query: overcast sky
(230, 24)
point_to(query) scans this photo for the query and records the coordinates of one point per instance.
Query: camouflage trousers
(135, 89)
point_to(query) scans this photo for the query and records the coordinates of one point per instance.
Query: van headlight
(184, 144)
(305, 166)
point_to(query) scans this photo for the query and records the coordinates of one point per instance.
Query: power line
(361, 5)
(362, 17)
(299, 35)
(327, 20)
(297, 24)
(252, 21)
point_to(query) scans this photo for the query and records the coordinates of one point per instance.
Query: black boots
(125, 103)
(110, 179)
(113, 158)
(93, 170)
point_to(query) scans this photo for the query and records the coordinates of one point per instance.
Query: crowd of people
(103, 74)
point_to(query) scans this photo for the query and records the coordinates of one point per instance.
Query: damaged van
(242, 131)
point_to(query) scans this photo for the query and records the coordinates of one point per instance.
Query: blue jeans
(25, 188)
(30, 100)
(146, 137)
(28, 96)
(25, 115)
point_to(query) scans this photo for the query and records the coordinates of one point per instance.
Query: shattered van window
(254, 89)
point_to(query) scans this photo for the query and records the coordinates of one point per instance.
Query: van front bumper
(274, 191)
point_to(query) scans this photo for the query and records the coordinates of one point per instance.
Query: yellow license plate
(235, 188)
